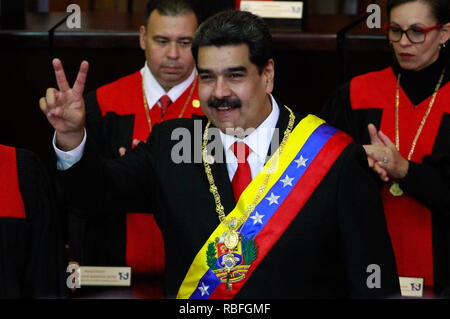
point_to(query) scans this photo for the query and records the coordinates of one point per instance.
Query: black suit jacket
(324, 253)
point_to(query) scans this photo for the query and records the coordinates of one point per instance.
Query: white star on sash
(272, 199)
(204, 289)
(257, 218)
(301, 161)
(287, 181)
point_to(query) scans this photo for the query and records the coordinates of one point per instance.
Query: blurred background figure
(31, 246)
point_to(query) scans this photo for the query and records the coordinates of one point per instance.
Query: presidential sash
(310, 151)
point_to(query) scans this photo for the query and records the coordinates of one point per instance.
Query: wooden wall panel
(61, 5)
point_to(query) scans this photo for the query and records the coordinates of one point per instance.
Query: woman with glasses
(402, 117)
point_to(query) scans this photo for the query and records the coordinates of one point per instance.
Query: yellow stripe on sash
(297, 139)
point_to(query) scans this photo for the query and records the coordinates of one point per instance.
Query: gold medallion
(196, 103)
(231, 239)
(395, 189)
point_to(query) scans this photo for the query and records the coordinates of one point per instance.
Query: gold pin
(196, 103)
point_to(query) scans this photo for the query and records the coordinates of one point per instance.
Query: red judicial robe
(418, 221)
(31, 251)
(116, 116)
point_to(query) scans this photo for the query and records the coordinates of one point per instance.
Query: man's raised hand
(64, 107)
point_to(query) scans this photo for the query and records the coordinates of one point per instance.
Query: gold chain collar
(261, 188)
(232, 236)
(395, 187)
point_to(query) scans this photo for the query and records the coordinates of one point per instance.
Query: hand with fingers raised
(64, 107)
(383, 156)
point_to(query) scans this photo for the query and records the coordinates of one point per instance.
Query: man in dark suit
(308, 223)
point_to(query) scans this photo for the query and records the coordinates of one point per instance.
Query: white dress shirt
(258, 141)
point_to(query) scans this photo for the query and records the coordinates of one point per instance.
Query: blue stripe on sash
(309, 151)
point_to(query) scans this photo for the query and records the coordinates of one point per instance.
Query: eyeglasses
(414, 34)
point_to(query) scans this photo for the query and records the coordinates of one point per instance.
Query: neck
(419, 85)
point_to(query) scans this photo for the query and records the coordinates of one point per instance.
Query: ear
(269, 75)
(142, 37)
(445, 33)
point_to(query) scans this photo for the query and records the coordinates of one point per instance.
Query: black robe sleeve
(365, 243)
(111, 185)
(429, 182)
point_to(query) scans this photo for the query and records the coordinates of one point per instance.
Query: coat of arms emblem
(217, 259)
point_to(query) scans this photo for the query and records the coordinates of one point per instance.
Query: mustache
(234, 103)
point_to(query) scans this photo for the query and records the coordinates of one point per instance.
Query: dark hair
(171, 8)
(440, 9)
(235, 27)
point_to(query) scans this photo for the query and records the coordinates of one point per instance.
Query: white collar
(154, 91)
(259, 140)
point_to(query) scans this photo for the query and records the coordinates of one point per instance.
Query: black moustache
(232, 103)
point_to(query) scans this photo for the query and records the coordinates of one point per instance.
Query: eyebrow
(238, 69)
(232, 69)
(159, 36)
(418, 24)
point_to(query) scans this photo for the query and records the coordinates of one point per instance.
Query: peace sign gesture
(64, 107)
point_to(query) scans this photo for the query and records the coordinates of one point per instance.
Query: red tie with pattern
(243, 175)
(165, 102)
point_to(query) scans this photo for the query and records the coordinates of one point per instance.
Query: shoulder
(18, 159)
(30, 169)
(119, 96)
(134, 79)
(169, 129)
(371, 79)
(367, 90)
(194, 125)
(115, 87)
(25, 178)
(336, 145)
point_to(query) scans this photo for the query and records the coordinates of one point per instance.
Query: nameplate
(274, 9)
(411, 286)
(105, 276)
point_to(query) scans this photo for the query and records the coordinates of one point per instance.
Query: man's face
(232, 92)
(167, 43)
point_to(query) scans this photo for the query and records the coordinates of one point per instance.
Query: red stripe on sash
(11, 202)
(291, 206)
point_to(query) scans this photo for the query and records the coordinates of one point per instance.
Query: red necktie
(243, 175)
(165, 102)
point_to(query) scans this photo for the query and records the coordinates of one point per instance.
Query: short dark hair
(235, 27)
(171, 8)
(440, 9)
